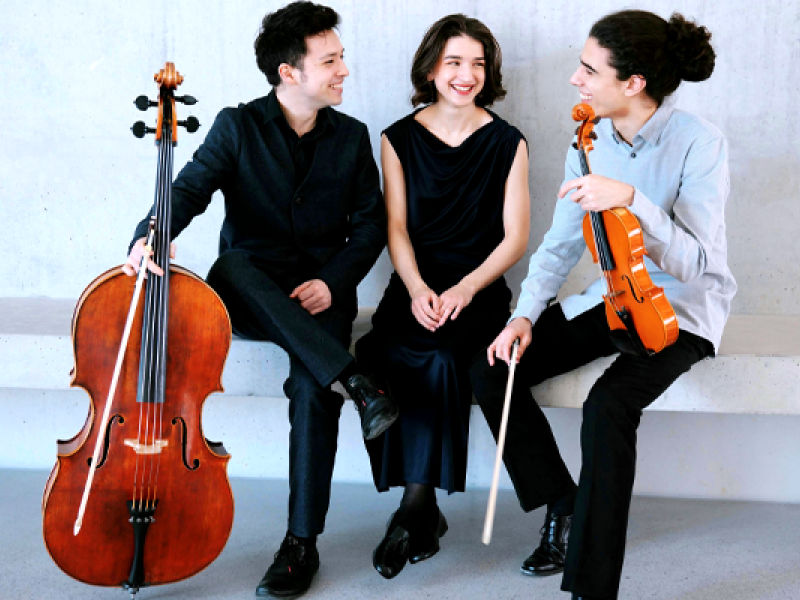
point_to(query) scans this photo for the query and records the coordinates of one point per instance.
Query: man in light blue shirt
(670, 169)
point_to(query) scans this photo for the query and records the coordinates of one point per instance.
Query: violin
(139, 496)
(641, 319)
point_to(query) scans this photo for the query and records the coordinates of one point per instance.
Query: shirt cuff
(644, 210)
(529, 308)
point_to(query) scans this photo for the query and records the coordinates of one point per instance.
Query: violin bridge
(140, 448)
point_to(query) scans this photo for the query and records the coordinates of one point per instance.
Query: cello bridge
(139, 448)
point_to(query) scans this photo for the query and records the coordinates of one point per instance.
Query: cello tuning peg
(143, 103)
(191, 124)
(139, 129)
(188, 100)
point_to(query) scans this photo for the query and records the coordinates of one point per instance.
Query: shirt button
(633, 154)
(298, 201)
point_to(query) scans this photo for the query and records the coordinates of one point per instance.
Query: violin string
(602, 249)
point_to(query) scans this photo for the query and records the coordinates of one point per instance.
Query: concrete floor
(677, 549)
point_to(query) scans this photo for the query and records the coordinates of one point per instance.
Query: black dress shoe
(407, 542)
(425, 540)
(392, 553)
(375, 407)
(548, 558)
(292, 571)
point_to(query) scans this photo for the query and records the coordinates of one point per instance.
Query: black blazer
(335, 216)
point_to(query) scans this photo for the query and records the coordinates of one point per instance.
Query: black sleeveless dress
(455, 220)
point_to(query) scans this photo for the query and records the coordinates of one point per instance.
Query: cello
(641, 319)
(139, 496)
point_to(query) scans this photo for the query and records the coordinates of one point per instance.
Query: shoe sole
(555, 571)
(378, 426)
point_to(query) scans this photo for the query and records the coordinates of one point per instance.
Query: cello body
(195, 504)
(139, 496)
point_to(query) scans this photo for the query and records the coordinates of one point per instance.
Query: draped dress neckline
(435, 137)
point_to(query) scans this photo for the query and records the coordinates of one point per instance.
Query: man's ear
(287, 74)
(635, 85)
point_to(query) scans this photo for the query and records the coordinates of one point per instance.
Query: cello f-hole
(196, 462)
(107, 435)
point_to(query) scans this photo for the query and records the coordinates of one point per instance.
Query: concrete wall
(74, 181)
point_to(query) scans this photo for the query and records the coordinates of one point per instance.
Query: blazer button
(298, 201)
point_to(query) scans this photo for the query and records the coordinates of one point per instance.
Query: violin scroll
(585, 132)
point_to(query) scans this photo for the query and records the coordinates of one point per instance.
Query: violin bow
(501, 442)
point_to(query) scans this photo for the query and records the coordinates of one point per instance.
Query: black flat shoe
(292, 571)
(392, 553)
(425, 541)
(548, 558)
(375, 407)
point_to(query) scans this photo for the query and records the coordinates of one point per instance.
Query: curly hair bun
(690, 45)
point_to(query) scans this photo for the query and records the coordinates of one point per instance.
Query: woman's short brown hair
(432, 46)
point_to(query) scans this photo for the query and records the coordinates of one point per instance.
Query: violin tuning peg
(139, 129)
(188, 100)
(575, 145)
(191, 124)
(596, 120)
(593, 135)
(143, 103)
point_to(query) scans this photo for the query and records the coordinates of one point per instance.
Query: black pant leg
(531, 455)
(261, 309)
(611, 416)
(314, 412)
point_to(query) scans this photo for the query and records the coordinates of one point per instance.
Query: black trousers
(260, 309)
(611, 416)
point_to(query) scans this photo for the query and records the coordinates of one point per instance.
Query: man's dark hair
(431, 49)
(663, 52)
(282, 38)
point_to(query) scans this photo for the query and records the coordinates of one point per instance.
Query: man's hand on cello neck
(138, 251)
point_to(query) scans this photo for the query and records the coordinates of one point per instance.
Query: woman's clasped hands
(432, 311)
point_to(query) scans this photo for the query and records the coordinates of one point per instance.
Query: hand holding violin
(597, 193)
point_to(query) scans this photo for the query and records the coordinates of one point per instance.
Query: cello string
(155, 285)
(166, 228)
(144, 388)
(163, 252)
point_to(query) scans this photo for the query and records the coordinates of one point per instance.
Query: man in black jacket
(304, 223)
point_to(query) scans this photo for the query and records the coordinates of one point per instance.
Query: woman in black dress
(456, 187)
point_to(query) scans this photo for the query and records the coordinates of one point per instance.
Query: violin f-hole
(638, 299)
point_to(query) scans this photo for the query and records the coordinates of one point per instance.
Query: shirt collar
(652, 130)
(272, 111)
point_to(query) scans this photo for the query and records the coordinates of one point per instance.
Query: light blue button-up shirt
(678, 165)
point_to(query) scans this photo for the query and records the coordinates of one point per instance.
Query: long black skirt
(428, 376)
